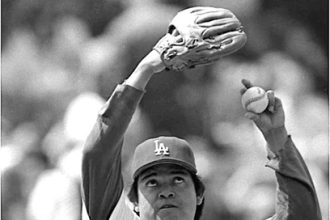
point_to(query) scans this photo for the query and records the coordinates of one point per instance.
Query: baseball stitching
(248, 102)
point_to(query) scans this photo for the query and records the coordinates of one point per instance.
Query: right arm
(296, 197)
(101, 169)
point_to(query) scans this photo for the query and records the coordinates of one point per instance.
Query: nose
(166, 194)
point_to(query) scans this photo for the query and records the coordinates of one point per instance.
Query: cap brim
(185, 165)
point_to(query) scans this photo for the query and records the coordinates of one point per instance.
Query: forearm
(276, 139)
(296, 196)
(116, 114)
(113, 120)
(101, 177)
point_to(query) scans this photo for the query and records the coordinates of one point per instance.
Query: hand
(271, 122)
(199, 36)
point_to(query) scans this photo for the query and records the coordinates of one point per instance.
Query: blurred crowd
(62, 59)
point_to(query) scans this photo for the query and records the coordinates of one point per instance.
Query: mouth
(167, 206)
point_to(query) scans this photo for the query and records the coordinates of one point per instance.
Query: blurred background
(62, 59)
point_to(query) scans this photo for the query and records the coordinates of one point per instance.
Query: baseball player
(165, 181)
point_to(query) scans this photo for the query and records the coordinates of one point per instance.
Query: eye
(178, 179)
(151, 183)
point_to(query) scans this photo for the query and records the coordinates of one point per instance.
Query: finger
(225, 36)
(230, 43)
(218, 27)
(209, 15)
(252, 116)
(220, 22)
(199, 10)
(243, 90)
(271, 99)
(278, 104)
(246, 83)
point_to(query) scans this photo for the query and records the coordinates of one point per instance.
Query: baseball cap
(163, 150)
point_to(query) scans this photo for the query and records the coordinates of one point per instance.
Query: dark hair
(199, 188)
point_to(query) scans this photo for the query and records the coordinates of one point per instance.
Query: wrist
(145, 70)
(150, 65)
(152, 62)
(140, 77)
(276, 138)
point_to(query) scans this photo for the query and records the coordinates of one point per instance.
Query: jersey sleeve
(102, 181)
(296, 198)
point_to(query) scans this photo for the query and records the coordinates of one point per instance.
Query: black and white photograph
(164, 110)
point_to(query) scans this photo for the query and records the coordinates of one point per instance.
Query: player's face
(167, 192)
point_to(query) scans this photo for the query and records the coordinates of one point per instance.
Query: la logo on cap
(161, 149)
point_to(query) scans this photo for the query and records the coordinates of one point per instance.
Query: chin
(169, 214)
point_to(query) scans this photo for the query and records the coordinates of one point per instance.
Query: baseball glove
(198, 36)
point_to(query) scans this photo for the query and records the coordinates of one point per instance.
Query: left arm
(296, 197)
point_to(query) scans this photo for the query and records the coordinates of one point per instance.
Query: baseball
(255, 100)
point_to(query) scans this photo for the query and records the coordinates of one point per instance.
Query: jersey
(102, 181)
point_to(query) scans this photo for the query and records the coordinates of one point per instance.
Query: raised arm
(101, 171)
(296, 198)
(196, 36)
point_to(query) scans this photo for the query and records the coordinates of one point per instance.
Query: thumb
(256, 118)
(271, 98)
(252, 116)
